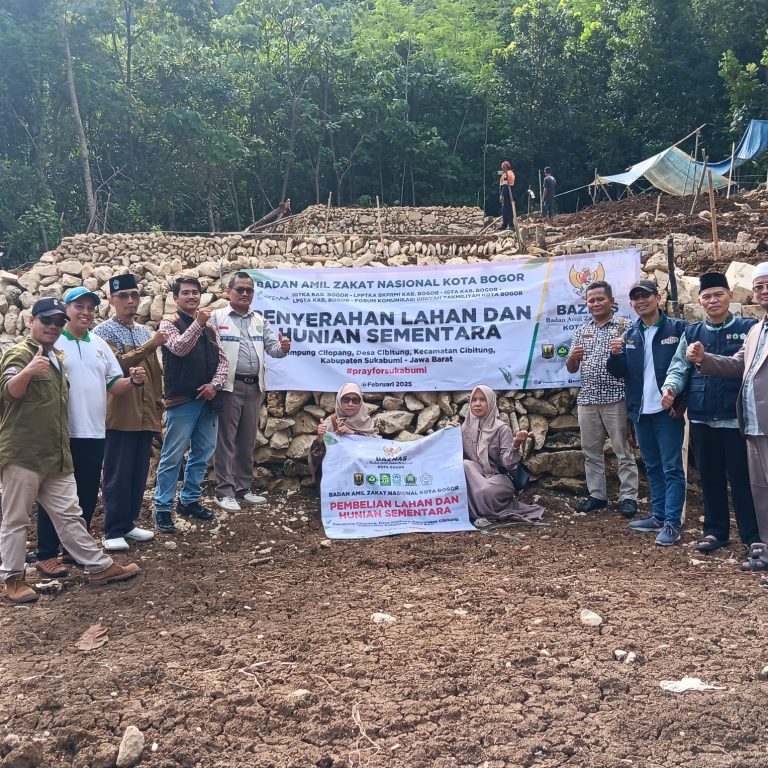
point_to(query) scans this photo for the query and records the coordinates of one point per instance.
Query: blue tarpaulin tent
(675, 172)
(753, 143)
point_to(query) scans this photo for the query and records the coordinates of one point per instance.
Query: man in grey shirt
(245, 336)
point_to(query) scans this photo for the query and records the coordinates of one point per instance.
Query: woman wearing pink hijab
(350, 418)
(489, 445)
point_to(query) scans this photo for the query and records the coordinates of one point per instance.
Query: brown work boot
(51, 568)
(18, 591)
(115, 572)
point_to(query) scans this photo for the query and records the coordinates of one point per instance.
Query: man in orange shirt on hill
(506, 182)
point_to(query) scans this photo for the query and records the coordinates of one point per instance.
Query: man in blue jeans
(641, 357)
(194, 371)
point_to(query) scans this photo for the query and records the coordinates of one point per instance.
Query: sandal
(756, 562)
(711, 543)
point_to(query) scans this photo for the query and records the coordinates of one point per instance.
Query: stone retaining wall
(290, 419)
(317, 219)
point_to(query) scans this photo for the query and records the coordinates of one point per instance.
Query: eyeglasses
(56, 320)
(759, 287)
(132, 296)
(351, 400)
(243, 291)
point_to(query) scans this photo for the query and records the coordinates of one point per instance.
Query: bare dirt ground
(252, 644)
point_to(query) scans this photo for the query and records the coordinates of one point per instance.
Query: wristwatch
(217, 386)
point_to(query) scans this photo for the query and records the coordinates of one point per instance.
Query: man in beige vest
(245, 336)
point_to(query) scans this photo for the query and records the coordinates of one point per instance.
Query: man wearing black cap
(132, 420)
(194, 371)
(92, 371)
(642, 358)
(548, 194)
(720, 450)
(35, 455)
(750, 364)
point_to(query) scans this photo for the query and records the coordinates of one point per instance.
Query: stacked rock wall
(289, 419)
(317, 219)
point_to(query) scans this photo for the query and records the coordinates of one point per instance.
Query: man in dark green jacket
(35, 458)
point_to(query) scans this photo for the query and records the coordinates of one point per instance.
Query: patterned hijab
(361, 422)
(477, 434)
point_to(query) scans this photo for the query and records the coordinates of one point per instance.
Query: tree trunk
(85, 162)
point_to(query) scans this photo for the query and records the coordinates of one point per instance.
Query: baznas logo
(583, 278)
(547, 351)
(392, 450)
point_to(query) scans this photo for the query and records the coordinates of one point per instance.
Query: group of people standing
(637, 381)
(59, 430)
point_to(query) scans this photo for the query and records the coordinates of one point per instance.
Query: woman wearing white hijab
(350, 418)
(488, 446)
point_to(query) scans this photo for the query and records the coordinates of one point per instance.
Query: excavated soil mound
(635, 217)
(251, 643)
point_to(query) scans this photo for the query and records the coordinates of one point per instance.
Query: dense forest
(129, 115)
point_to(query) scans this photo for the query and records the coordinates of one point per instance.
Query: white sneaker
(229, 503)
(139, 534)
(115, 545)
(252, 498)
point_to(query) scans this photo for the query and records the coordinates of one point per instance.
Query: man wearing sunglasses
(92, 371)
(36, 458)
(133, 420)
(245, 336)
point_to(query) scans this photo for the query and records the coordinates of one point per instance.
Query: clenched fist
(695, 352)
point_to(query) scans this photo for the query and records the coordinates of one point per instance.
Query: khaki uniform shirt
(138, 410)
(34, 430)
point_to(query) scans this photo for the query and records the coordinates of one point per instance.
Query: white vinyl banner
(444, 327)
(373, 487)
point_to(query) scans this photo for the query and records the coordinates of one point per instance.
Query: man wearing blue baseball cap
(92, 370)
(35, 457)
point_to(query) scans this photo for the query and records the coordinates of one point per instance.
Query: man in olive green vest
(35, 458)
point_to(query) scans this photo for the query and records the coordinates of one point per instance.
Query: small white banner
(374, 487)
(444, 327)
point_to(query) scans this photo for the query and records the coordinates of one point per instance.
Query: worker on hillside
(548, 194)
(506, 182)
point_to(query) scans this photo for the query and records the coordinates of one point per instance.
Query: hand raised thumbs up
(39, 364)
(285, 342)
(668, 400)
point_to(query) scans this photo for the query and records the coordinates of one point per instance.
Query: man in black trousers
(133, 420)
(718, 445)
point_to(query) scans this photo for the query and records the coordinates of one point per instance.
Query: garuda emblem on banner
(582, 278)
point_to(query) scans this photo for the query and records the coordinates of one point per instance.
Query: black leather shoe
(196, 510)
(628, 508)
(591, 504)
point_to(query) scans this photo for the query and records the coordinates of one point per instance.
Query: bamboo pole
(541, 201)
(658, 205)
(514, 224)
(701, 182)
(378, 216)
(328, 211)
(730, 170)
(695, 155)
(713, 211)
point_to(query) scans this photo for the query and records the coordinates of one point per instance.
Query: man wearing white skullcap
(750, 364)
